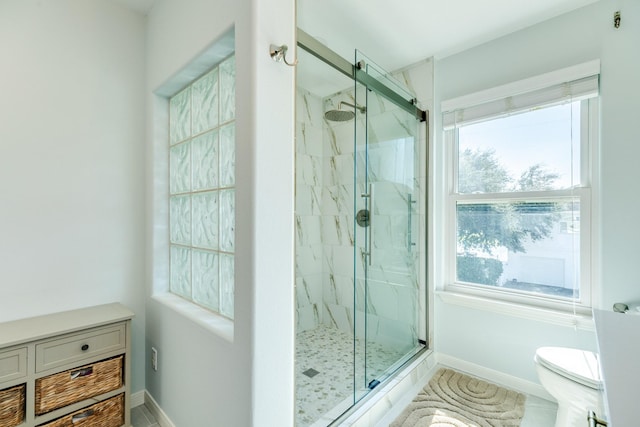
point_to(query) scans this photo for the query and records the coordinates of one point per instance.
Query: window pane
(532, 151)
(180, 116)
(228, 155)
(180, 282)
(528, 246)
(180, 219)
(228, 90)
(205, 102)
(180, 168)
(205, 220)
(204, 151)
(227, 220)
(202, 190)
(227, 272)
(205, 276)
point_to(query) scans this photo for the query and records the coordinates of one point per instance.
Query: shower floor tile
(330, 352)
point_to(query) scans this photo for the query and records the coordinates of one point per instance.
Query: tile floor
(325, 371)
(329, 385)
(312, 401)
(538, 413)
(141, 417)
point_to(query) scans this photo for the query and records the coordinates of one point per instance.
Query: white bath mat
(452, 399)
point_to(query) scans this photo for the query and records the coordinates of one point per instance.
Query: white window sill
(219, 325)
(548, 315)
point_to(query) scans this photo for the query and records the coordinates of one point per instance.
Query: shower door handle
(410, 203)
(369, 250)
(370, 225)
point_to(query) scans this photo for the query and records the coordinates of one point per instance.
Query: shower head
(340, 115)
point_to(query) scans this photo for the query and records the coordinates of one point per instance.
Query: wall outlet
(154, 358)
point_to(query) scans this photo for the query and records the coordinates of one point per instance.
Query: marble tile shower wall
(308, 205)
(393, 276)
(324, 216)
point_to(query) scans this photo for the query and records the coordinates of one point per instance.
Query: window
(202, 190)
(519, 199)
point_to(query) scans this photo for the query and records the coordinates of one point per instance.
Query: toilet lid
(578, 365)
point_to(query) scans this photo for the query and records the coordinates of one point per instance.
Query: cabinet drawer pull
(82, 416)
(82, 372)
(84, 347)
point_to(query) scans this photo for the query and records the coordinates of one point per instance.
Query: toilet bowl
(572, 377)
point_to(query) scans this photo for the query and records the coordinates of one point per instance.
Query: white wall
(203, 379)
(71, 159)
(501, 342)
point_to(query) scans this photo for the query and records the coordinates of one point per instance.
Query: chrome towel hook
(279, 53)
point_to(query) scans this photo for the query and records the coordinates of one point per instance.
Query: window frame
(481, 295)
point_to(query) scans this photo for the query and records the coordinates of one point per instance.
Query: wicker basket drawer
(13, 364)
(74, 385)
(12, 406)
(76, 347)
(108, 413)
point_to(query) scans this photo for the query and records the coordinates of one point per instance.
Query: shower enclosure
(360, 218)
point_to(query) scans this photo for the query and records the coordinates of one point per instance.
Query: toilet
(572, 377)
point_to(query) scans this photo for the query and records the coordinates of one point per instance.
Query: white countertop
(25, 330)
(619, 347)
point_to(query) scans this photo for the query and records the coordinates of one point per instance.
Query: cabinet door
(13, 364)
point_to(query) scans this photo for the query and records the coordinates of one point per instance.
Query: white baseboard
(157, 411)
(137, 398)
(500, 378)
(400, 393)
(408, 392)
(393, 396)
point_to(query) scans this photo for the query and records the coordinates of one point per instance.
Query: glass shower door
(386, 231)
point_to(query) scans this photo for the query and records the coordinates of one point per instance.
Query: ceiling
(141, 6)
(402, 32)
(399, 33)
(396, 34)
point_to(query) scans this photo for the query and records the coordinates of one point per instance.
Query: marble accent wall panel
(308, 298)
(308, 199)
(309, 260)
(337, 230)
(308, 230)
(308, 215)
